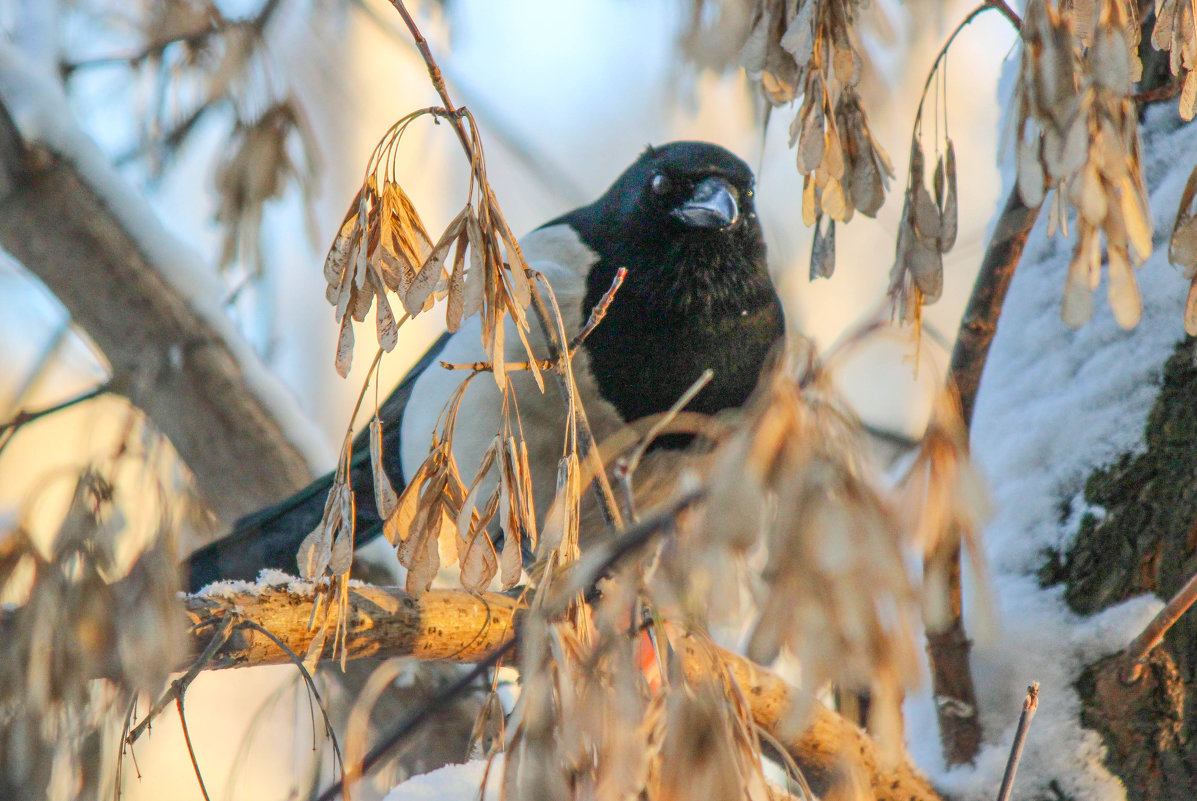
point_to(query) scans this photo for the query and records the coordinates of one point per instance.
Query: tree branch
(461, 627)
(828, 742)
(92, 242)
(948, 647)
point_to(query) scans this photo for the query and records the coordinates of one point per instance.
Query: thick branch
(461, 627)
(828, 743)
(445, 625)
(979, 323)
(172, 362)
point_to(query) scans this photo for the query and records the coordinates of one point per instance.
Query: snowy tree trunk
(1089, 439)
(1144, 540)
(71, 221)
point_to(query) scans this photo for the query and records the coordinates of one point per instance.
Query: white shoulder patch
(559, 254)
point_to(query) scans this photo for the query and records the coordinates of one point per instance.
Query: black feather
(694, 298)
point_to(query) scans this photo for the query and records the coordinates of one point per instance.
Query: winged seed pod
(1078, 133)
(1182, 248)
(383, 246)
(926, 231)
(1175, 32)
(835, 592)
(255, 169)
(805, 47)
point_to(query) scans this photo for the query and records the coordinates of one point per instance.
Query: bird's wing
(270, 537)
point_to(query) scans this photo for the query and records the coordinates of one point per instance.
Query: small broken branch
(600, 309)
(1020, 737)
(1142, 646)
(223, 628)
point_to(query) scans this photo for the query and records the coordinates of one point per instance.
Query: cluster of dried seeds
(79, 622)
(804, 47)
(257, 168)
(833, 588)
(926, 232)
(383, 246)
(1078, 133)
(1176, 32)
(593, 723)
(1182, 248)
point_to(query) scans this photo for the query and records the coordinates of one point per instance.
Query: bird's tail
(268, 538)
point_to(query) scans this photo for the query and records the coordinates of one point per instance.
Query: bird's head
(682, 220)
(683, 189)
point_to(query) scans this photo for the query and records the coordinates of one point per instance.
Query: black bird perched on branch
(696, 295)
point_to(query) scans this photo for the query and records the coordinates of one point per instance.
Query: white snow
(39, 107)
(1054, 405)
(452, 783)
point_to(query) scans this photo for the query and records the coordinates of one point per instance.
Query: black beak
(713, 205)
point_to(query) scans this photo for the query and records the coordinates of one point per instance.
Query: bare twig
(1020, 737)
(190, 749)
(625, 467)
(1149, 638)
(179, 686)
(998, 5)
(194, 37)
(587, 451)
(600, 309)
(487, 367)
(308, 680)
(8, 430)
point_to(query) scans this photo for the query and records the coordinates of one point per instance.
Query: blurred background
(566, 96)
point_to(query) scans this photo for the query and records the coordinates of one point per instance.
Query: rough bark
(1145, 542)
(164, 356)
(443, 625)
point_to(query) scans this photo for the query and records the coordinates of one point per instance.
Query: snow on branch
(146, 301)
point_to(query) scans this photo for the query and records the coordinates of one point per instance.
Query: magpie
(696, 296)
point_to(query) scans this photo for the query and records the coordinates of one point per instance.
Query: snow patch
(1055, 404)
(452, 783)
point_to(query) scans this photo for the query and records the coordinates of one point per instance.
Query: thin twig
(195, 36)
(600, 309)
(1142, 646)
(190, 750)
(23, 417)
(625, 466)
(421, 715)
(1020, 737)
(308, 680)
(488, 367)
(179, 686)
(587, 451)
(998, 5)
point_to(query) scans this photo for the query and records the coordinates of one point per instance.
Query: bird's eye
(659, 184)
